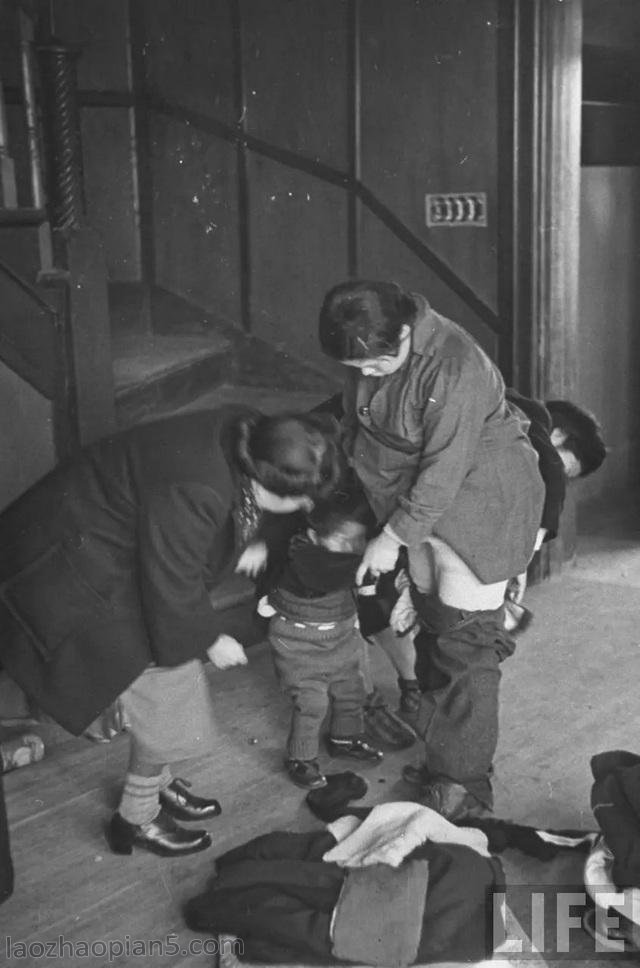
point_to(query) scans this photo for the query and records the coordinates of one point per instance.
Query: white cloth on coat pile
(392, 831)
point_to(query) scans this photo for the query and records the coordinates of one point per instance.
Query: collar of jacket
(424, 327)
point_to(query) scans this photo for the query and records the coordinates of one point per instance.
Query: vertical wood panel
(382, 256)
(101, 31)
(429, 119)
(295, 64)
(615, 23)
(608, 379)
(189, 54)
(109, 188)
(299, 241)
(195, 216)
(559, 98)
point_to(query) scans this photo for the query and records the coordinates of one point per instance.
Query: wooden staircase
(103, 355)
(186, 359)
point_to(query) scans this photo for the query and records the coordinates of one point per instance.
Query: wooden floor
(570, 691)
(67, 881)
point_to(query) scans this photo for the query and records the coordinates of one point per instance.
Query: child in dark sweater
(315, 639)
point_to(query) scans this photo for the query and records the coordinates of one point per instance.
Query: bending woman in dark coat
(450, 474)
(107, 568)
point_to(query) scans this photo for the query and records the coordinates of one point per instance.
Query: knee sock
(139, 803)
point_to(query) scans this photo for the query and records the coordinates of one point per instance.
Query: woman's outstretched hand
(253, 559)
(380, 556)
(226, 652)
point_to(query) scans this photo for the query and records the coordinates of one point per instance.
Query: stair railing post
(30, 108)
(8, 191)
(61, 131)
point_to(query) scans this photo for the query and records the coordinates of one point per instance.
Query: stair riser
(173, 390)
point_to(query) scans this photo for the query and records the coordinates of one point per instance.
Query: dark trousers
(458, 655)
(319, 669)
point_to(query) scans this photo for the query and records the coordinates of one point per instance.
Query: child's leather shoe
(306, 774)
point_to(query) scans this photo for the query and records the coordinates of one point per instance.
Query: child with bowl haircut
(315, 639)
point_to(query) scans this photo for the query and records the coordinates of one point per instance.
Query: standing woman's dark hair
(291, 454)
(361, 320)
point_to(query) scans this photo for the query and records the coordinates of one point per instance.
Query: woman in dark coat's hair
(109, 569)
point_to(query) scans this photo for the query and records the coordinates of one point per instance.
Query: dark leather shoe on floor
(354, 748)
(183, 805)
(306, 774)
(162, 836)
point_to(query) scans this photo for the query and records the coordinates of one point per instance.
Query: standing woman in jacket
(109, 568)
(451, 475)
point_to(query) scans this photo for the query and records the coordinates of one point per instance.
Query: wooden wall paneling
(299, 250)
(110, 188)
(611, 135)
(516, 79)
(558, 117)
(608, 380)
(141, 150)
(240, 101)
(547, 41)
(195, 216)
(383, 256)
(189, 54)
(429, 120)
(354, 132)
(89, 336)
(615, 23)
(610, 74)
(295, 63)
(100, 29)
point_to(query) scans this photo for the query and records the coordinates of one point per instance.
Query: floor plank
(569, 691)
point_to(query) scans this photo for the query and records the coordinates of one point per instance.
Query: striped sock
(139, 803)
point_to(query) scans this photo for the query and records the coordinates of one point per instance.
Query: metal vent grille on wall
(456, 210)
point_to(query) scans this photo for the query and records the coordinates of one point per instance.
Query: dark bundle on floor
(288, 905)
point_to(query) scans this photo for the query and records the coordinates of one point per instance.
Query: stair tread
(266, 399)
(140, 358)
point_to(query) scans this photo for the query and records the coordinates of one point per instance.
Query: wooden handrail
(22, 216)
(28, 289)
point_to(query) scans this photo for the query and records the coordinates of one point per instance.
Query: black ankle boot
(162, 836)
(183, 805)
